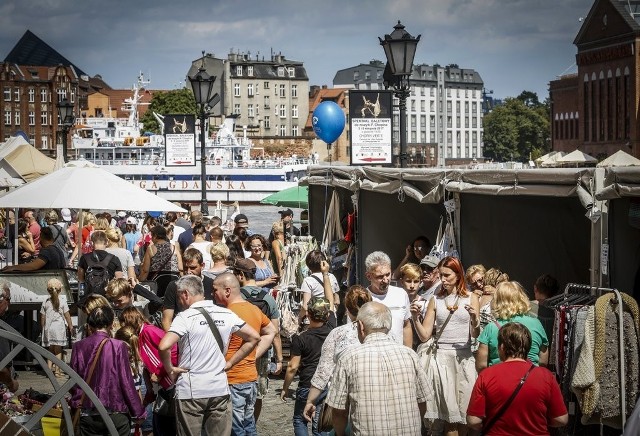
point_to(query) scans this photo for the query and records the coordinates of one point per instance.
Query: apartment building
(444, 109)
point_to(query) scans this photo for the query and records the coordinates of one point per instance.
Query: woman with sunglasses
(414, 253)
(265, 277)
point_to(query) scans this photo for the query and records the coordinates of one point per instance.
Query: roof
(452, 73)
(31, 50)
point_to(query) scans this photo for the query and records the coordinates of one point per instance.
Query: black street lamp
(202, 86)
(65, 118)
(400, 49)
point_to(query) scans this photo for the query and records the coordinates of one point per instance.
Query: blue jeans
(299, 423)
(243, 399)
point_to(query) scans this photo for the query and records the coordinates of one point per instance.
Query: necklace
(451, 308)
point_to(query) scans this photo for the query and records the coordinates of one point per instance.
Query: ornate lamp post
(65, 117)
(202, 86)
(400, 49)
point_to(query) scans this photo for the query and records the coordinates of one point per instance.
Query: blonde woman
(475, 278)
(510, 304)
(114, 237)
(55, 321)
(219, 253)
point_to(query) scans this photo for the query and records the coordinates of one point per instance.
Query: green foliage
(518, 130)
(177, 101)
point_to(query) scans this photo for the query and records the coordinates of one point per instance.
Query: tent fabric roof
(620, 182)
(619, 159)
(428, 185)
(577, 157)
(24, 159)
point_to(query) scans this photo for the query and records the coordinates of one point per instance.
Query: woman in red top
(536, 407)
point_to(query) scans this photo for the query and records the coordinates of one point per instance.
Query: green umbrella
(297, 196)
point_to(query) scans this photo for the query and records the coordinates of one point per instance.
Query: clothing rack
(594, 291)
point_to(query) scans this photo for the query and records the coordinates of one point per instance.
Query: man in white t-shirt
(378, 272)
(202, 405)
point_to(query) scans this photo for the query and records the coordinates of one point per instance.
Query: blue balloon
(328, 121)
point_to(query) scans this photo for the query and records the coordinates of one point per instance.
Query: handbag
(165, 402)
(76, 414)
(325, 421)
(505, 406)
(427, 349)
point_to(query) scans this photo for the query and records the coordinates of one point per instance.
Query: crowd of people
(426, 348)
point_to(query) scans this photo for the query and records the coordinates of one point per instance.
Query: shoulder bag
(213, 327)
(427, 349)
(505, 406)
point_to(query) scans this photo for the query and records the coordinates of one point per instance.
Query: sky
(514, 45)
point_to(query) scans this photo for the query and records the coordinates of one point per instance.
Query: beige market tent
(550, 159)
(619, 159)
(577, 157)
(20, 159)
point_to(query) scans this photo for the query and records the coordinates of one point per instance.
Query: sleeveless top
(165, 258)
(264, 273)
(456, 334)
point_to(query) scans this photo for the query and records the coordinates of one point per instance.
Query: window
(413, 123)
(266, 102)
(423, 122)
(236, 108)
(294, 91)
(413, 105)
(294, 111)
(466, 107)
(283, 90)
(62, 94)
(432, 121)
(280, 71)
(378, 75)
(283, 130)
(72, 99)
(466, 122)
(250, 111)
(16, 94)
(474, 107)
(239, 70)
(250, 89)
(32, 95)
(356, 75)
(249, 70)
(474, 122)
(32, 118)
(292, 72)
(449, 106)
(265, 85)
(7, 93)
(432, 92)
(423, 105)
(283, 111)
(457, 92)
(432, 106)
(367, 75)
(449, 122)
(294, 131)
(267, 122)
(236, 90)
(7, 117)
(43, 95)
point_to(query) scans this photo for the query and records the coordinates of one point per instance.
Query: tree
(518, 130)
(177, 101)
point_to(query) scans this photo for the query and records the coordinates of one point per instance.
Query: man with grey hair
(381, 386)
(378, 272)
(6, 373)
(203, 332)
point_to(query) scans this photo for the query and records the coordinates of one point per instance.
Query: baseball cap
(245, 265)
(318, 308)
(132, 220)
(122, 214)
(66, 214)
(286, 212)
(241, 219)
(430, 261)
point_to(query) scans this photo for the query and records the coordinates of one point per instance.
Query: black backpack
(97, 275)
(258, 301)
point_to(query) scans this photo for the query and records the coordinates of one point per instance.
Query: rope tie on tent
(326, 193)
(401, 194)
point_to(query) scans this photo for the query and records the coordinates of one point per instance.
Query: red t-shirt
(532, 409)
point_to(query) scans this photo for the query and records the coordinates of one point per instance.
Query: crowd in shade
(424, 347)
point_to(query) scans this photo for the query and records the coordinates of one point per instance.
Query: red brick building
(597, 109)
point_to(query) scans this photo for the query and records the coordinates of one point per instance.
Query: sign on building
(370, 115)
(180, 140)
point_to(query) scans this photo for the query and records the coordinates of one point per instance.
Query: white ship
(119, 146)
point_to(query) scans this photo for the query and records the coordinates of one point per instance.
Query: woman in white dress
(202, 245)
(451, 367)
(56, 322)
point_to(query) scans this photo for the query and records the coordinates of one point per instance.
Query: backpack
(97, 275)
(258, 301)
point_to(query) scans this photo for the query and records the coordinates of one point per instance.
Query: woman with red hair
(451, 321)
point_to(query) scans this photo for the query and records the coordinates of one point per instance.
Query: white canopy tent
(82, 185)
(620, 159)
(577, 157)
(550, 159)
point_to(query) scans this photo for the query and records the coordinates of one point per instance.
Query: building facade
(444, 109)
(597, 108)
(30, 96)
